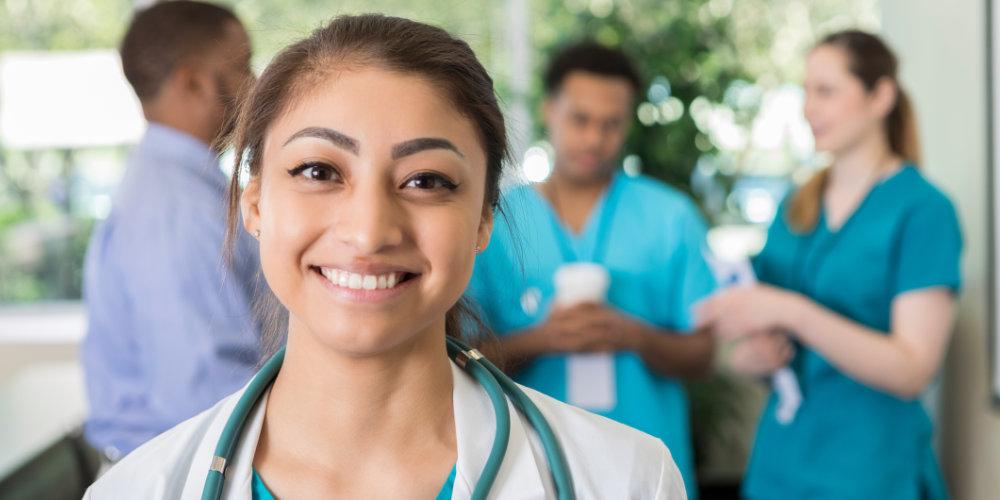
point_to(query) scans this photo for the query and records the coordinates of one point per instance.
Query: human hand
(746, 310)
(756, 355)
(587, 327)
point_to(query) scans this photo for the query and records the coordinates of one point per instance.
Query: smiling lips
(356, 281)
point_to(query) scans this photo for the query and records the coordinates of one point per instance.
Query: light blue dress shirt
(651, 239)
(170, 330)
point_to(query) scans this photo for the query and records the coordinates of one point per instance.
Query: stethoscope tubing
(497, 385)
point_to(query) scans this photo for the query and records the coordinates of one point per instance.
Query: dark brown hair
(590, 57)
(871, 61)
(166, 34)
(391, 43)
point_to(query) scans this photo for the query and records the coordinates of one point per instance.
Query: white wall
(942, 46)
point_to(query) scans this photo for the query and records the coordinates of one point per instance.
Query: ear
(884, 96)
(250, 205)
(197, 80)
(485, 228)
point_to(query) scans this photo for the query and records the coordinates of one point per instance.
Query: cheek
(849, 112)
(289, 224)
(567, 131)
(449, 243)
(617, 138)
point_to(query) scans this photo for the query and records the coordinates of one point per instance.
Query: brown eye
(429, 181)
(315, 171)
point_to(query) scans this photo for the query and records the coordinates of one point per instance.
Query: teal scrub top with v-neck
(849, 440)
(259, 491)
(650, 237)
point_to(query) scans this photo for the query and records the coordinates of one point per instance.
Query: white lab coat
(607, 459)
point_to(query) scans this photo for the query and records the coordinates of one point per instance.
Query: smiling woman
(374, 150)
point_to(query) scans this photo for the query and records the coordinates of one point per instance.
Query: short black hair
(164, 35)
(590, 57)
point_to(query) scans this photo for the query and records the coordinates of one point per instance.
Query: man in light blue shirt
(170, 328)
(618, 354)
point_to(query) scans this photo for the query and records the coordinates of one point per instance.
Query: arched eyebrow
(414, 146)
(338, 139)
(350, 144)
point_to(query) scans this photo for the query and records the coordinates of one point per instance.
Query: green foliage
(62, 24)
(673, 42)
(275, 24)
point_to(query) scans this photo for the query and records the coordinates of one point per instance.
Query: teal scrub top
(849, 440)
(260, 491)
(650, 237)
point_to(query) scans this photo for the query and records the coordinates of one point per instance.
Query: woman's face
(838, 107)
(370, 206)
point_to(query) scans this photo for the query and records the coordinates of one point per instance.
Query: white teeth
(356, 281)
(370, 282)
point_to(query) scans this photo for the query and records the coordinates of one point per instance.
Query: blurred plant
(717, 106)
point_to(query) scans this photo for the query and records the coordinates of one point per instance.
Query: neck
(866, 159)
(166, 113)
(573, 199)
(326, 404)
(570, 185)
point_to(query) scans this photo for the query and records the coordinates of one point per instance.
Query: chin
(363, 338)
(589, 174)
(826, 146)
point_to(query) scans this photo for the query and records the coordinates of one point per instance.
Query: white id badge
(591, 381)
(590, 377)
(789, 395)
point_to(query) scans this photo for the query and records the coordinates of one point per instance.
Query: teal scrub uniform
(650, 237)
(259, 490)
(849, 440)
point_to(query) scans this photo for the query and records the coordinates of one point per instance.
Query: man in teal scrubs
(648, 236)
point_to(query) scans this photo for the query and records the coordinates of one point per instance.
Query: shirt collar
(182, 148)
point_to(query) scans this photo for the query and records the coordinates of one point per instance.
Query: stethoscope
(498, 387)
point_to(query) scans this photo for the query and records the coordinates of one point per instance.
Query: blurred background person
(644, 241)
(170, 329)
(861, 269)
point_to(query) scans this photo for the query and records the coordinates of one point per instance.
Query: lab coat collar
(523, 474)
(239, 471)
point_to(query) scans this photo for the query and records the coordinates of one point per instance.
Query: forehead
(827, 61)
(379, 108)
(596, 93)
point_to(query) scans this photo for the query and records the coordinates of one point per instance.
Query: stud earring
(256, 234)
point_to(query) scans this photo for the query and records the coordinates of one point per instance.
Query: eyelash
(316, 167)
(440, 179)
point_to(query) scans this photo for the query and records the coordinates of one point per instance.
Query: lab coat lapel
(523, 473)
(239, 469)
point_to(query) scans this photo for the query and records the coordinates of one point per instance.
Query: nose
(594, 136)
(370, 219)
